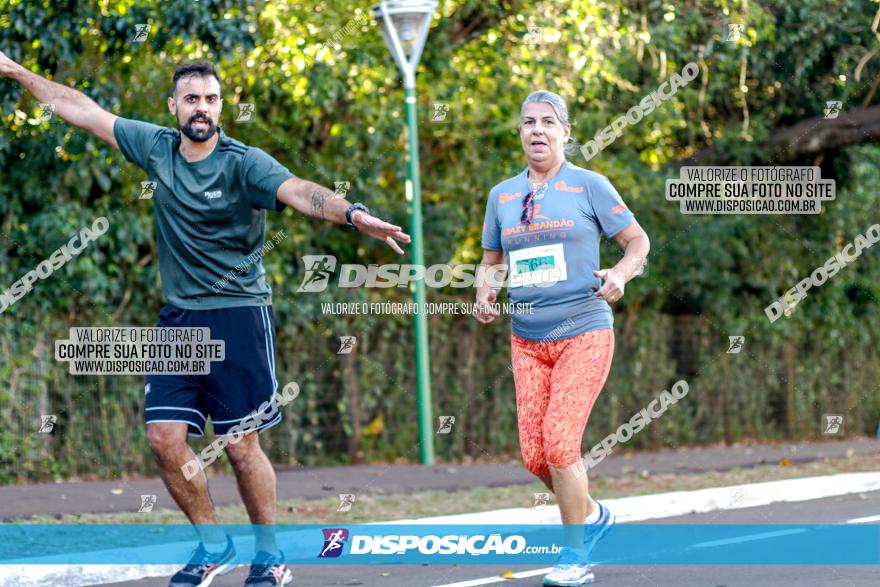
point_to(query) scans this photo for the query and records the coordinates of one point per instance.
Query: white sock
(594, 517)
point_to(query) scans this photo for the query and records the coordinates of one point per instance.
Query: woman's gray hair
(559, 106)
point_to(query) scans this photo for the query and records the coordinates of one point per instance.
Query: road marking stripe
(865, 520)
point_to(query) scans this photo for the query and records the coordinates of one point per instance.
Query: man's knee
(165, 437)
(246, 447)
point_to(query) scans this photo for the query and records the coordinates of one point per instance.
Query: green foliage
(332, 110)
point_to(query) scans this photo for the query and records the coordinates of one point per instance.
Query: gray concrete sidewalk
(318, 482)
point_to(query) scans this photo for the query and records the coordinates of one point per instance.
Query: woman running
(544, 225)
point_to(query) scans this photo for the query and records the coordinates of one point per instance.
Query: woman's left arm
(635, 244)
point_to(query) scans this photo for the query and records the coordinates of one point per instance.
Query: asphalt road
(830, 510)
(22, 501)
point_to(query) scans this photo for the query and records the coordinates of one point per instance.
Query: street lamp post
(404, 26)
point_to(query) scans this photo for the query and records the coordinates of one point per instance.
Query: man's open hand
(379, 229)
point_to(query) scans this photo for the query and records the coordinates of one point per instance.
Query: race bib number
(541, 266)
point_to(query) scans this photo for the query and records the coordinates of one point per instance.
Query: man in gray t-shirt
(210, 195)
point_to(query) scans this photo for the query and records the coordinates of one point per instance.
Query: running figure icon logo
(346, 345)
(737, 497)
(318, 270)
(833, 424)
(736, 344)
(832, 109)
(334, 542)
(346, 500)
(46, 112)
(441, 112)
(341, 188)
(147, 503)
(446, 423)
(141, 32)
(147, 189)
(541, 501)
(47, 423)
(533, 36)
(245, 112)
(734, 31)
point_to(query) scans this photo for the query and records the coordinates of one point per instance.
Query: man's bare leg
(168, 443)
(256, 484)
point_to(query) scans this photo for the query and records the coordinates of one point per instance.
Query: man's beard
(199, 135)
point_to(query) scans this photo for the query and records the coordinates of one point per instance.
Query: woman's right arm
(488, 274)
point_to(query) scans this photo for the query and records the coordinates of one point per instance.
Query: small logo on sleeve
(214, 194)
(618, 209)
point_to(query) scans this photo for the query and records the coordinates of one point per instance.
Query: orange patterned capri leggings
(557, 383)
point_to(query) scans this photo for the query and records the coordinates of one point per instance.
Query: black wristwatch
(351, 209)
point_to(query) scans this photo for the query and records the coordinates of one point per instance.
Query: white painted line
(499, 579)
(865, 520)
(746, 538)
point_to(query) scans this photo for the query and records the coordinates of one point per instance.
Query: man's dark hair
(202, 68)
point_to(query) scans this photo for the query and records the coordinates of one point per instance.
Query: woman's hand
(483, 311)
(612, 290)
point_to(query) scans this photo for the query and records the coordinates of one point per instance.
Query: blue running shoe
(571, 569)
(204, 566)
(595, 531)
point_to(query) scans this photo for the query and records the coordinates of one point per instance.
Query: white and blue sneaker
(571, 569)
(594, 531)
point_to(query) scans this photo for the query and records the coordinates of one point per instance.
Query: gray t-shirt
(210, 215)
(561, 244)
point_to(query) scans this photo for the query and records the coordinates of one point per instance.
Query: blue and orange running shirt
(551, 260)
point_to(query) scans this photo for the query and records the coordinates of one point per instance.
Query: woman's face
(542, 134)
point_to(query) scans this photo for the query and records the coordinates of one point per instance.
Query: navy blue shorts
(235, 388)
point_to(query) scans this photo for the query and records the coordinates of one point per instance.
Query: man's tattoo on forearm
(318, 198)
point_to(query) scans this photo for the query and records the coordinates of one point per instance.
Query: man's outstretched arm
(71, 105)
(319, 202)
